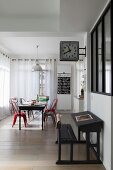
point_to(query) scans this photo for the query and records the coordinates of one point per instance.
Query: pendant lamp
(37, 66)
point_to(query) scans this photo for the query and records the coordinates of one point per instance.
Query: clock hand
(68, 48)
(67, 51)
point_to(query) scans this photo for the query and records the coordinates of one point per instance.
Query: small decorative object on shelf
(82, 92)
(81, 96)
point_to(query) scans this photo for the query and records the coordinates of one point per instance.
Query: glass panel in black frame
(100, 57)
(94, 61)
(107, 52)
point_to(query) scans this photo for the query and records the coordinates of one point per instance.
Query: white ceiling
(46, 23)
(28, 8)
(26, 46)
(79, 15)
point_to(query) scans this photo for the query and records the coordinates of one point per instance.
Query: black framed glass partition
(107, 52)
(99, 57)
(101, 60)
(94, 61)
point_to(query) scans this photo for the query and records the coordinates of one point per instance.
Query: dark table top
(32, 107)
(94, 122)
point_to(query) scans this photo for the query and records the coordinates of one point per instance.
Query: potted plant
(82, 88)
(82, 92)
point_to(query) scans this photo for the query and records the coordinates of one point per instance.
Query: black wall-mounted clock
(69, 50)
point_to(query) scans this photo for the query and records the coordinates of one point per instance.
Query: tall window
(27, 84)
(101, 55)
(94, 61)
(107, 52)
(43, 75)
(4, 85)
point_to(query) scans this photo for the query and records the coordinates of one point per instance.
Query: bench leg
(59, 152)
(71, 152)
(98, 146)
(88, 145)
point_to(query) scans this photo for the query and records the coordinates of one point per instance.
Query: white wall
(111, 133)
(87, 73)
(73, 79)
(101, 106)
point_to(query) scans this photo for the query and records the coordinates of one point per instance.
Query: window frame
(95, 30)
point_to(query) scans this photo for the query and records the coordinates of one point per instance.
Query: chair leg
(28, 114)
(45, 117)
(53, 118)
(32, 113)
(22, 115)
(24, 118)
(14, 119)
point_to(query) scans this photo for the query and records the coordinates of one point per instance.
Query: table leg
(78, 134)
(42, 119)
(98, 145)
(88, 145)
(19, 119)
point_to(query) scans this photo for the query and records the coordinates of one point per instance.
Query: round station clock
(69, 50)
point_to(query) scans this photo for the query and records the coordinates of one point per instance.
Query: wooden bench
(65, 135)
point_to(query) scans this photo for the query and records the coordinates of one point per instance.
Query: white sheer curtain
(4, 85)
(51, 78)
(25, 83)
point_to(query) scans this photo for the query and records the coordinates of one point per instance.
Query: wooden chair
(51, 111)
(16, 114)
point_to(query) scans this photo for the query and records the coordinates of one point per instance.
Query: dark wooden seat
(65, 135)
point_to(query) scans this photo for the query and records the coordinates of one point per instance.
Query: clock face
(69, 51)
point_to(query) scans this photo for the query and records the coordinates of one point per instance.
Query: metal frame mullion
(111, 19)
(96, 59)
(103, 58)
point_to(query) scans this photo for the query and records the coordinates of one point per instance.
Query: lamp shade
(37, 67)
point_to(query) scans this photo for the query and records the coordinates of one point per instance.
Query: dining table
(29, 107)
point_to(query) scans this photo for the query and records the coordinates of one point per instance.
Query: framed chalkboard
(63, 85)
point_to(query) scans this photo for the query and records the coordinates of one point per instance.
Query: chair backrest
(22, 100)
(11, 101)
(54, 104)
(15, 106)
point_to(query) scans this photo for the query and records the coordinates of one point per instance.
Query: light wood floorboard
(36, 149)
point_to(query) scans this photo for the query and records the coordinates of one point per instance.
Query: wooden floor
(36, 149)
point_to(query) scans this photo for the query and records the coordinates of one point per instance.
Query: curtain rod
(27, 59)
(4, 54)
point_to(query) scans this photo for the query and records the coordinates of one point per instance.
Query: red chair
(11, 100)
(51, 111)
(16, 114)
(30, 112)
